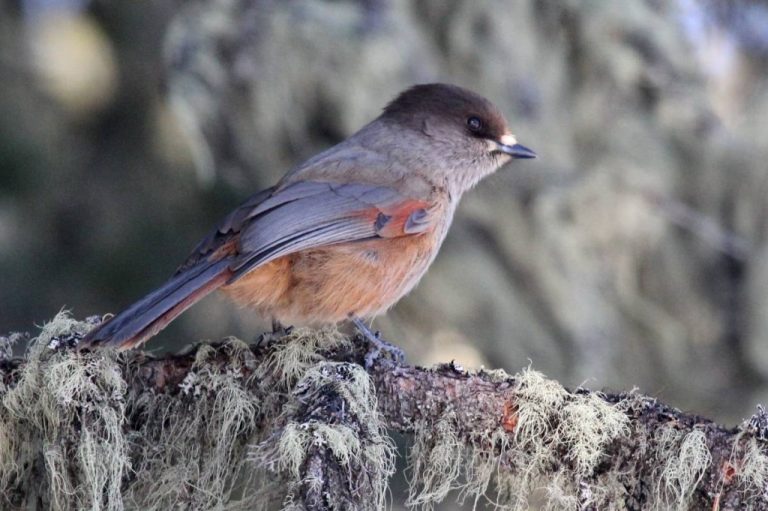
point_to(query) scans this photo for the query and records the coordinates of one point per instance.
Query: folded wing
(269, 225)
(311, 214)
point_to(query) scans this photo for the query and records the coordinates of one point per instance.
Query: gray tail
(145, 318)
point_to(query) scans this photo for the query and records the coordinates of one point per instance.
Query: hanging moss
(74, 434)
(505, 469)
(353, 436)
(282, 426)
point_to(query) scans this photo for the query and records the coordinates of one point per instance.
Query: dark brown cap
(452, 103)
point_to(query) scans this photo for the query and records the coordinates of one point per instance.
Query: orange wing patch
(403, 219)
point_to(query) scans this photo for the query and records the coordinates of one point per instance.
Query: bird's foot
(377, 345)
(278, 332)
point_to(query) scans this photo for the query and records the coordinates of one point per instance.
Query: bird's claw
(377, 345)
(278, 332)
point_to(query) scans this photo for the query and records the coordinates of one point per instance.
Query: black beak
(517, 151)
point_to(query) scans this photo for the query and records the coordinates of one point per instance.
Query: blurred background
(632, 253)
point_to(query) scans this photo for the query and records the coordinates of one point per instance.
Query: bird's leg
(278, 332)
(379, 345)
(280, 329)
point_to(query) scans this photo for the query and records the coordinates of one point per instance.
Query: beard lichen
(332, 414)
(328, 410)
(299, 351)
(289, 426)
(63, 424)
(753, 474)
(436, 460)
(559, 439)
(75, 435)
(683, 459)
(567, 451)
(191, 448)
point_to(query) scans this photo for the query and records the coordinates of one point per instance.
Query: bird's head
(460, 135)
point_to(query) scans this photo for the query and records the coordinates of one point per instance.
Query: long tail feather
(145, 318)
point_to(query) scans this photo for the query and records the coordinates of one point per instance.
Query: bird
(345, 234)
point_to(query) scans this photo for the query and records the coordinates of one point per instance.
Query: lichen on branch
(298, 423)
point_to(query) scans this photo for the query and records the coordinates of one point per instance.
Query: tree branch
(318, 420)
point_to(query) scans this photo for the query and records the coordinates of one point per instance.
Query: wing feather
(309, 214)
(320, 214)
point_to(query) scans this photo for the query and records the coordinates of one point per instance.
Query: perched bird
(347, 233)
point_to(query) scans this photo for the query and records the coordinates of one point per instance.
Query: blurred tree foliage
(633, 252)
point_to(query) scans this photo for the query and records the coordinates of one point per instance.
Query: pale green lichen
(506, 469)
(298, 367)
(539, 400)
(291, 450)
(7, 343)
(553, 423)
(193, 450)
(365, 456)
(297, 438)
(683, 459)
(297, 352)
(753, 469)
(74, 434)
(64, 439)
(62, 489)
(55, 392)
(558, 496)
(587, 425)
(488, 455)
(436, 461)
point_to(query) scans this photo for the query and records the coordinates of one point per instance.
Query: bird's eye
(474, 124)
